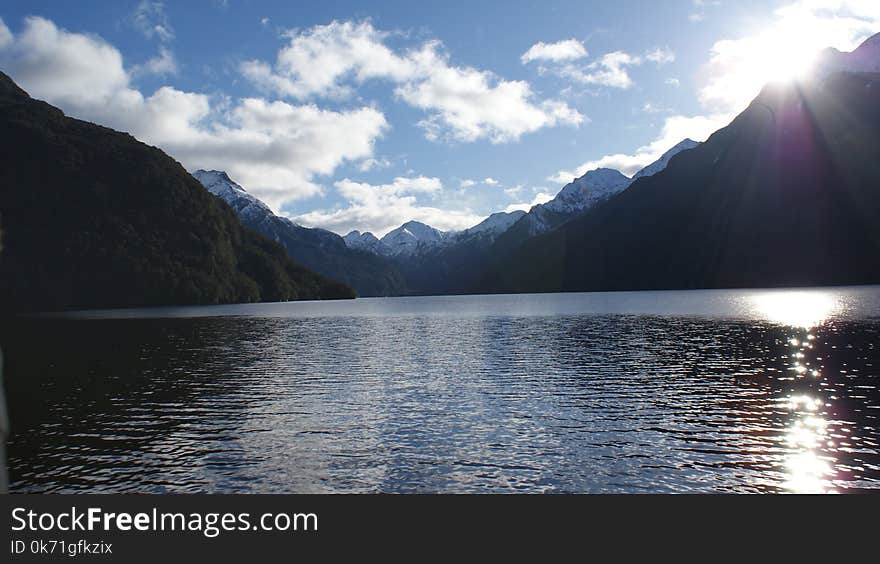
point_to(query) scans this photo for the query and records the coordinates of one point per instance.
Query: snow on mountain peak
(218, 183)
(589, 189)
(661, 163)
(411, 236)
(365, 242)
(496, 224)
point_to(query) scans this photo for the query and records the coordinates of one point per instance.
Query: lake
(697, 391)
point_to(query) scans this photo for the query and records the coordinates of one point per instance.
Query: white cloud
(370, 164)
(68, 69)
(276, 149)
(540, 198)
(162, 64)
(321, 60)
(610, 70)
(567, 50)
(489, 181)
(675, 129)
(463, 103)
(383, 207)
(469, 104)
(264, 22)
(150, 19)
(5, 35)
(467, 183)
(660, 55)
(673, 82)
(739, 68)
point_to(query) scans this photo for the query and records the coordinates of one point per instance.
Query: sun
(783, 54)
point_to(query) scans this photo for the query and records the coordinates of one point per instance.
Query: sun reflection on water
(808, 468)
(808, 464)
(801, 309)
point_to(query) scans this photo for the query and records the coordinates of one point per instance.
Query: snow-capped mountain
(588, 190)
(245, 205)
(865, 59)
(414, 237)
(594, 187)
(495, 224)
(321, 250)
(366, 242)
(663, 161)
(411, 237)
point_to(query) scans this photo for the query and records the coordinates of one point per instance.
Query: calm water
(723, 391)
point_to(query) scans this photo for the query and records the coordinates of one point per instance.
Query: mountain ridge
(323, 251)
(786, 195)
(129, 227)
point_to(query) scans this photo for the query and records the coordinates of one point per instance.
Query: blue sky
(363, 115)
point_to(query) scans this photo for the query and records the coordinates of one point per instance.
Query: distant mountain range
(413, 238)
(437, 262)
(320, 250)
(786, 195)
(92, 218)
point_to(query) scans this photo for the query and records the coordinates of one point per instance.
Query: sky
(364, 115)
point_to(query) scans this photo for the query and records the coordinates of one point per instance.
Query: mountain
(661, 163)
(436, 262)
(787, 195)
(366, 242)
(576, 198)
(865, 59)
(320, 250)
(494, 225)
(93, 218)
(412, 237)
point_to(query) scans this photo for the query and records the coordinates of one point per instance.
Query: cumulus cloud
(379, 208)
(463, 103)
(162, 64)
(322, 60)
(567, 50)
(675, 129)
(467, 183)
(72, 70)
(540, 198)
(490, 181)
(468, 104)
(610, 70)
(276, 149)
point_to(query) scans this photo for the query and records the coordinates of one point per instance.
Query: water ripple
(475, 394)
